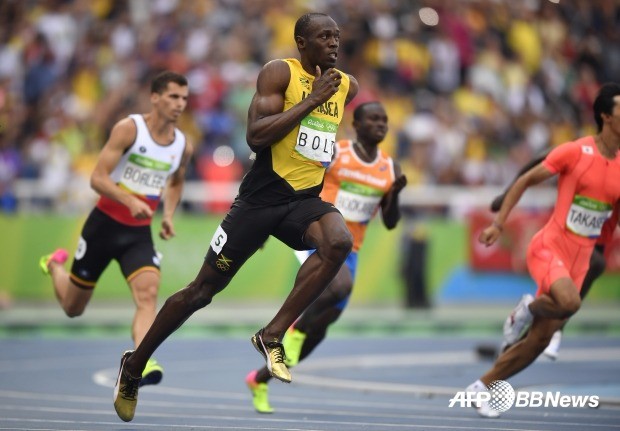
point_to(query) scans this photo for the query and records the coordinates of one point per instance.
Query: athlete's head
(169, 93)
(370, 122)
(159, 84)
(317, 36)
(605, 101)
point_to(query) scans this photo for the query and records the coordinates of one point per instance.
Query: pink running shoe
(59, 255)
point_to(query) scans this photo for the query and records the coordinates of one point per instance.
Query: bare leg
(562, 301)
(524, 352)
(595, 270)
(328, 307)
(311, 279)
(312, 340)
(144, 287)
(318, 316)
(550, 311)
(72, 299)
(333, 243)
(175, 311)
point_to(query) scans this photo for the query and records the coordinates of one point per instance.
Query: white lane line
(264, 423)
(305, 374)
(338, 405)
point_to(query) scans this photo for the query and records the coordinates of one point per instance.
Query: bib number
(316, 139)
(586, 216)
(219, 240)
(144, 176)
(357, 202)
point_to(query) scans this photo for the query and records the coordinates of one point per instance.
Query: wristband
(498, 226)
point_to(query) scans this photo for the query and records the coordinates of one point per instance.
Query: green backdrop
(266, 276)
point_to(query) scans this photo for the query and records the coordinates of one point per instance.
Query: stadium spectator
(63, 58)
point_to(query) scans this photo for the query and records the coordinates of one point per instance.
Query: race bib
(586, 216)
(357, 202)
(144, 176)
(316, 139)
(219, 240)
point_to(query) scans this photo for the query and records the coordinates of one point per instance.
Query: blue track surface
(360, 383)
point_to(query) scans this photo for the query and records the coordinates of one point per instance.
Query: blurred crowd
(470, 99)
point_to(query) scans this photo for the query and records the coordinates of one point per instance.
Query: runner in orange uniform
(563, 247)
(356, 187)
(595, 270)
(559, 254)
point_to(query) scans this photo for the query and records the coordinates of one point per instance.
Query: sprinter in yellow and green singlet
(292, 123)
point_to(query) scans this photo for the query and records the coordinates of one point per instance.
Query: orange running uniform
(588, 190)
(356, 187)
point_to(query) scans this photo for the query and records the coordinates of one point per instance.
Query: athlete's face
(172, 102)
(373, 125)
(322, 42)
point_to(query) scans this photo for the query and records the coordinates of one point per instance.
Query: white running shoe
(518, 321)
(482, 407)
(553, 348)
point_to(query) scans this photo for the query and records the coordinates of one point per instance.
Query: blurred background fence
(473, 89)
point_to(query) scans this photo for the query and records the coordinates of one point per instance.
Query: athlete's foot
(293, 342)
(152, 374)
(126, 391)
(519, 320)
(273, 352)
(260, 393)
(59, 256)
(482, 407)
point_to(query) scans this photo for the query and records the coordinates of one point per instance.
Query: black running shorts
(247, 226)
(104, 239)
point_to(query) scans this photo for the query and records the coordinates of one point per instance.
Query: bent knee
(339, 246)
(146, 296)
(340, 290)
(570, 307)
(197, 294)
(190, 297)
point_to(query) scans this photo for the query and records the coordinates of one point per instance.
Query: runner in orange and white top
(361, 180)
(356, 187)
(559, 254)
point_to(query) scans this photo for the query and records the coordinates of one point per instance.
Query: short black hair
(358, 113)
(160, 82)
(303, 23)
(604, 102)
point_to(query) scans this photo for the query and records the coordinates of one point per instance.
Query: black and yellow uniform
(279, 196)
(294, 167)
